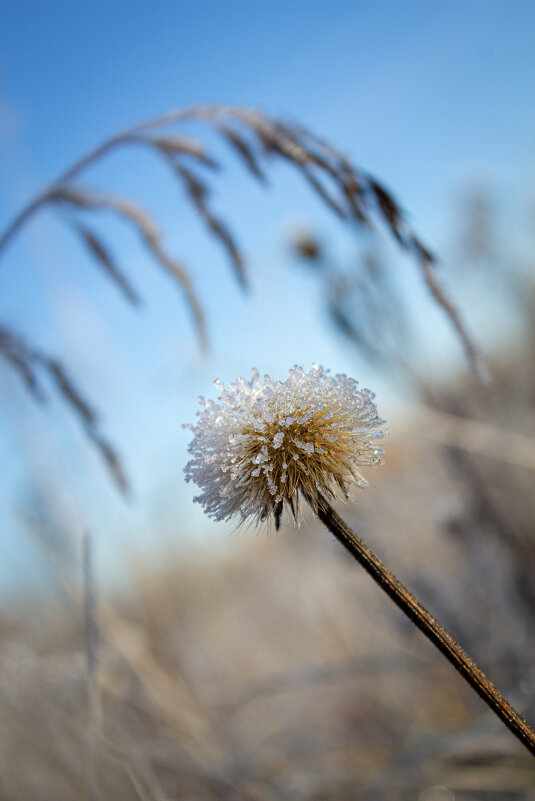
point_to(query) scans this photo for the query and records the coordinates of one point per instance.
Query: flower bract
(265, 445)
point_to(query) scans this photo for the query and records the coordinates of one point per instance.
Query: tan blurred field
(275, 668)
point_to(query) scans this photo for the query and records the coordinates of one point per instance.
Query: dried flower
(266, 444)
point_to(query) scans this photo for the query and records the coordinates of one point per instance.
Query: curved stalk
(100, 150)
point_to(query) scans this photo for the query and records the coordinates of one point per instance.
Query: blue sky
(426, 95)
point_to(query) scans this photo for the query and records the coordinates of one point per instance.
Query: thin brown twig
(427, 624)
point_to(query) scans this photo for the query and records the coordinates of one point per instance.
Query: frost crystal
(267, 444)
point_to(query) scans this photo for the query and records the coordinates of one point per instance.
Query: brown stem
(427, 624)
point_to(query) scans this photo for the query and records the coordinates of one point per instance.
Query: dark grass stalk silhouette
(427, 624)
(351, 193)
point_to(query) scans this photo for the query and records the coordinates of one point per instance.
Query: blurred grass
(279, 670)
(276, 669)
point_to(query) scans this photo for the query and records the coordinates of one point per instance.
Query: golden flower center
(302, 455)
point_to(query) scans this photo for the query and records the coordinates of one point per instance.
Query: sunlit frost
(264, 445)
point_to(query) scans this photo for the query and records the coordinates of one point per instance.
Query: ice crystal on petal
(278, 439)
(266, 444)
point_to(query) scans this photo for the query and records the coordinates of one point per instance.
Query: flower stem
(427, 624)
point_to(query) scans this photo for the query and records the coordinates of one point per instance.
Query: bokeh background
(220, 665)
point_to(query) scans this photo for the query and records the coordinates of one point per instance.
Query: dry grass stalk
(351, 193)
(103, 258)
(480, 438)
(150, 236)
(475, 359)
(31, 365)
(94, 729)
(172, 699)
(304, 694)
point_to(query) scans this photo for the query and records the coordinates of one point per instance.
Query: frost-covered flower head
(266, 444)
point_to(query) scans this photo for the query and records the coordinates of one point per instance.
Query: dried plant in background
(288, 691)
(351, 193)
(360, 299)
(32, 365)
(363, 305)
(306, 683)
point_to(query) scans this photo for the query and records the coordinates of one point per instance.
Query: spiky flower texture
(265, 445)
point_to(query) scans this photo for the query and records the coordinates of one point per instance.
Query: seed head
(265, 445)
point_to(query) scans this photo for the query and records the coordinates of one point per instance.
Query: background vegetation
(265, 667)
